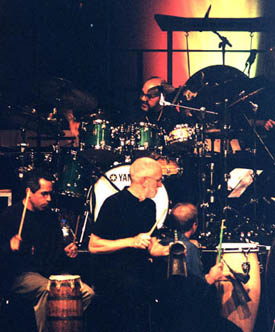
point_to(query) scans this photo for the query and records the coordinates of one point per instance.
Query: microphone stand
(163, 102)
(222, 45)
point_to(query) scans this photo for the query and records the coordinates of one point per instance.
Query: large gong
(216, 87)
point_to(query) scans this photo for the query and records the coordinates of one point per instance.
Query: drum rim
(63, 277)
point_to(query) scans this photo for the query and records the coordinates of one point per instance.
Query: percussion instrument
(65, 312)
(120, 177)
(169, 166)
(96, 134)
(148, 136)
(181, 138)
(71, 181)
(241, 258)
(140, 136)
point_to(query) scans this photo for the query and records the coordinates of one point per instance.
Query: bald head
(185, 215)
(151, 83)
(144, 167)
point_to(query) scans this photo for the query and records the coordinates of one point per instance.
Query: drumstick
(220, 244)
(76, 228)
(24, 212)
(156, 223)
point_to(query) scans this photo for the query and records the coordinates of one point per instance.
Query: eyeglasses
(149, 95)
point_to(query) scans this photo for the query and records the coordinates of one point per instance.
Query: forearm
(156, 249)
(98, 245)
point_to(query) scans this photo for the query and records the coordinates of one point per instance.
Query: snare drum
(181, 138)
(169, 166)
(65, 311)
(120, 177)
(236, 255)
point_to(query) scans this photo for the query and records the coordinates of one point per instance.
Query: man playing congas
(32, 246)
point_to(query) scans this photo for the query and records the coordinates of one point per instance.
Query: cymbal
(53, 138)
(64, 95)
(28, 119)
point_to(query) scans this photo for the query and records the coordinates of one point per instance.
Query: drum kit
(99, 165)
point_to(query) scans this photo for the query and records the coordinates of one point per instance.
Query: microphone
(254, 106)
(163, 102)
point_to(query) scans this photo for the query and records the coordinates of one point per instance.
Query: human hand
(216, 273)
(71, 250)
(141, 241)
(15, 242)
(269, 124)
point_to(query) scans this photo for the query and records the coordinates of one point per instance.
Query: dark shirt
(122, 215)
(166, 120)
(193, 258)
(42, 248)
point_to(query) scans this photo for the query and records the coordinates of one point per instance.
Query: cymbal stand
(225, 143)
(257, 139)
(23, 168)
(202, 175)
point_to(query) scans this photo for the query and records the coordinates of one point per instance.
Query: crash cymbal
(53, 138)
(64, 95)
(29, 119)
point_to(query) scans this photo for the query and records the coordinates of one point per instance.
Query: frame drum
(65, 312)
(235, 255)
(120, 177)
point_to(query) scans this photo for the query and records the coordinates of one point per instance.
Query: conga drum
(65, 312)
(241, 258)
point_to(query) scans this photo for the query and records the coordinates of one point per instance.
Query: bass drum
(120, 177)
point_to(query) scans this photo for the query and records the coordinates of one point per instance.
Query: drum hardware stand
(224, 154)
(23, 168)
(86, 217)
(202, 176)
(257, 139)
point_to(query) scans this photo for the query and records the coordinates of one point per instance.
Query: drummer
(154, 90)
(31, 255)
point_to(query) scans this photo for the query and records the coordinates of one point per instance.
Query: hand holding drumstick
(15, 241)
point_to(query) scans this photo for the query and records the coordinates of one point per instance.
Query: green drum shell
(72, 181)
(148, 137)
(96, 134)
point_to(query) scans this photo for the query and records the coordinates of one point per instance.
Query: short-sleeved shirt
(121, 216)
